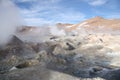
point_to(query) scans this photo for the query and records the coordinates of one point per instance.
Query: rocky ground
(76, 57)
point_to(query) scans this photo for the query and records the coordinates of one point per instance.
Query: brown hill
(97, 24)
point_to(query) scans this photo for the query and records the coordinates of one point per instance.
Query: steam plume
(9, 20)
(55, 31)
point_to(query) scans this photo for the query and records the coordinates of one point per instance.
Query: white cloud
(36, 21)
(24, 0)
(96, 2)
(70, 16)
(53, 17)
(114, 15)
(49, 12)
(41, 1)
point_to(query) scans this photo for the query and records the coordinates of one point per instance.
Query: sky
(40, 12)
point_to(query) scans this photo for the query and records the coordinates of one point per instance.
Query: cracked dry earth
(88, 57)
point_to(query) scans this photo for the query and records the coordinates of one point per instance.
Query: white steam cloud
(9, 20)
(55, 31)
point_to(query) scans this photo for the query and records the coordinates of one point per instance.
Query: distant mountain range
(96, 24)
(93, 25)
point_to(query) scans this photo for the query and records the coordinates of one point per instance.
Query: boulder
(14, 53)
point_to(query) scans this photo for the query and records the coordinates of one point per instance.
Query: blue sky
(38, 12)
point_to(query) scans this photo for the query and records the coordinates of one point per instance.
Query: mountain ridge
(93, 25)
(96, 24)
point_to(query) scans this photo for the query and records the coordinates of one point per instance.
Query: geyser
(9, 20)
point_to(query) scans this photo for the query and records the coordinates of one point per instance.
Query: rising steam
(55, 31)
(9, 20)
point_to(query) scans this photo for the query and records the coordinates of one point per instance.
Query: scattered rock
(64, 59)
(70, 47)
(27, 63)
